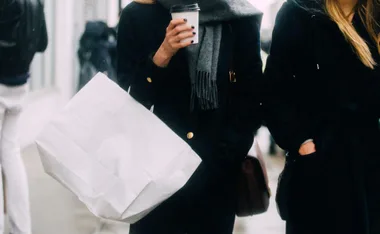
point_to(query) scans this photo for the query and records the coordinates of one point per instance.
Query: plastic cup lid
(185, 8)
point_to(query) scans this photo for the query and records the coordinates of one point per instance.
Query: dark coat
(221, 137)
(319, 89)
(97, 52)
(22, 34)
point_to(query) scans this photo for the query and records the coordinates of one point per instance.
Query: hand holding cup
(181, 32)
(176, 37)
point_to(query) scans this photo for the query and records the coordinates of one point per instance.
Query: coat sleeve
(377, 104)
(372, 103)
(283, 116)
(375, 94)
(135, 67)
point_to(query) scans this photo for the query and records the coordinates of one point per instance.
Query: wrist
(162, 57)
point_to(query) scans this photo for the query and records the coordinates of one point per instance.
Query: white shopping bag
(114, 154)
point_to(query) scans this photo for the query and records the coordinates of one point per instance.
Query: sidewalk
(55, 210)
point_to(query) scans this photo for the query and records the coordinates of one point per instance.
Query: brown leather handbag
(253, 192)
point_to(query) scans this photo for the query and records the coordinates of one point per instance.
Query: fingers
(182, 44)
(178, 35)
(182, 36)
(180, 29)
(174, 23)
(185, 43)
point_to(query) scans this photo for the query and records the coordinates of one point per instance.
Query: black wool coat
(319, 89)
(222, 137)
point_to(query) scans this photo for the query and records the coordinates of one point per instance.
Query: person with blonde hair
(323, 106)
(191, 88)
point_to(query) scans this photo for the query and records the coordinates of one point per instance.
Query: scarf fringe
(205, 91)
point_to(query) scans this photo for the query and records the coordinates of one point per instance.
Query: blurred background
(55, 79)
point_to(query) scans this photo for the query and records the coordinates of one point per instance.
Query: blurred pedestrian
(191, 88)
(22, 34)
(323, 106)
(97, 52)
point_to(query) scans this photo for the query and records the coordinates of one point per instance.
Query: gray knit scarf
(204, 57)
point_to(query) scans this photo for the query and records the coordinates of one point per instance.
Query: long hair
(145, 1)
(369, 12)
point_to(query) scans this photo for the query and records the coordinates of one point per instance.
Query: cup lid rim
(184, 8)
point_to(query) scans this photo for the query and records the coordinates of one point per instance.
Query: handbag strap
(259, 156)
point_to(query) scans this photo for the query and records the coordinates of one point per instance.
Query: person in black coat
(323, 106)
(156, 66)
(97, 52)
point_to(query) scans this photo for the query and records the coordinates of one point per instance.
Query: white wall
(66, 20)
(269, 8)
(126, 2)
(113, 13)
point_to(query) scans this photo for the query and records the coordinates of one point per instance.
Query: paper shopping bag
(114, 154)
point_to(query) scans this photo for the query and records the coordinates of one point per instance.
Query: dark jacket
(319, 89)
(23, 34)
(234, 123)
(310, 57)
(97, 52)
(222, 138)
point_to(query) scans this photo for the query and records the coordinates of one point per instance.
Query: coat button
(190, 135)
(149, 80)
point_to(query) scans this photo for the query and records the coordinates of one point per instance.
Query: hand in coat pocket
(307, 149)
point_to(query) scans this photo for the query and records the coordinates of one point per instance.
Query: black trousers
(205, 205)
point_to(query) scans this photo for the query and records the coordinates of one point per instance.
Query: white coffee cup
(191, 14)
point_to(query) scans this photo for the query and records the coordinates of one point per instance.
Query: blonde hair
(146, 1)
(367, 12)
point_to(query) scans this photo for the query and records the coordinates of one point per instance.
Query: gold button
(149, 80)
(190, 135)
